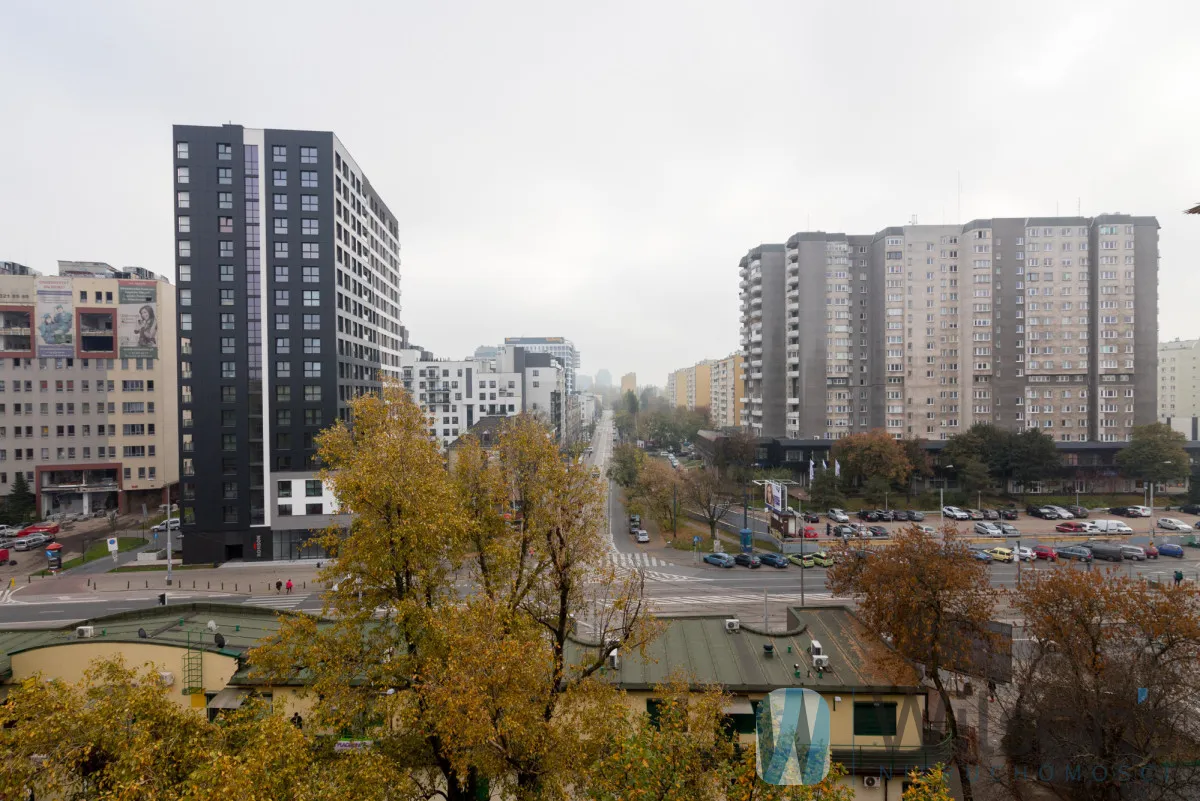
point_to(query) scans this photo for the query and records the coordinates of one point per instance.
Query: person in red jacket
(289, 586)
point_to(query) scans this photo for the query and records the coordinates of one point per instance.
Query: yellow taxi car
(1000, 554)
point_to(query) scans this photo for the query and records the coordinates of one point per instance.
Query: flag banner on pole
(837, 467)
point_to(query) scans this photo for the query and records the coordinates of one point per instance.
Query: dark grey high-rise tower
(289, 307)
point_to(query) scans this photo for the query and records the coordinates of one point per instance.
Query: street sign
(695, 539)
(112, 544)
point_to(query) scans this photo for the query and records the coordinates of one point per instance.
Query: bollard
(306, 585)
(222, 585)
(147, 584)
(193, 585)
(250, 589)
(235, 587)
(126, 585)
(209, 586)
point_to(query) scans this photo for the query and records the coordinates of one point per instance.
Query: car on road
(719, 559)
(990, 514)
(913, 516)
(1073, 527)
(954, 513)
(810, 533)
(1045, 552)
(1133, 553)
(810, 517)
(985, 529)
(643, 535)
(1009, 513)
(773, 560)
(1170, 549)
(1079, 512)
(837, 516)
(1074, 552)
(31, 541)
(747, 560)
(805, 560)
(1151, 550)
(845, 530)
(1108, 551)
(974, 514)
(172, 523)
(1044, 512)
(980, 555)
(1190, 508)
(878, 532)
(1172, 524)
(1000, 554)
(1024, 554)
(1009, 530)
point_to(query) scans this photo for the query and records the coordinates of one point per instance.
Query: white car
(1172, 524)
(1140, 511)
(954, 513)
(643, 535)
(986, 529)
(1024, 554)
(929, 530)
(837, 516)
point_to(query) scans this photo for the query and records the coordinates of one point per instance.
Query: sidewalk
(249, 580)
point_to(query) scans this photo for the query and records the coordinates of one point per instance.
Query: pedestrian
(1178, 577)
(289, 586)
(828, 529)
(278, 586)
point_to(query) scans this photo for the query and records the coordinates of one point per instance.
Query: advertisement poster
(55, 318)
(137, 327)
(775, 496)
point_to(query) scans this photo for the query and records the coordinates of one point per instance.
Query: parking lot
(73, 536)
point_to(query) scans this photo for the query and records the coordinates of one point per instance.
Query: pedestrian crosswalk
(278, 601)
(635, 560)
(718, 600)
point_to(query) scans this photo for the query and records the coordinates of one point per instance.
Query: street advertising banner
(137, 325)
(775, 496)
(55, 318)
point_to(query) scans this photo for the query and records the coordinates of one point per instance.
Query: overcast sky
(597, 172)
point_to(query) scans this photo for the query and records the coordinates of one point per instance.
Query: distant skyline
(597, 172)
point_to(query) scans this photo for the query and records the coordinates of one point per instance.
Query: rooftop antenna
(913, 220)
(959, 196)
(1078, 207)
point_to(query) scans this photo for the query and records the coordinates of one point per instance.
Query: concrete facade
(727, 392)
(629, 383)
(1179, 379)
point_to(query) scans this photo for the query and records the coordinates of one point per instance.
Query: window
(227, 297)
(279, 152)
(312, 297)
(308, 155)
(283, 394)
(308, 179)
(283, 369)
(227, 322)
(228, 345)
(283, 345)
(308, 203)
(281, 250)
(309, 227)
(312, 345)
(279, 177)
(181, 152)
(283, 489)
(283, 441)
(281, 273)
(185, 297)
(225, 225)
(184, 224)
(312, 322)
(185, 249)
(283, 510)
(226, 271)
(224, 175)
(228, 369)
(225, 249)
(224, 200)
(312, 488)
(282, 297)
(314, 509)
(281, 225)
(311, 275)
(283, 418)
(182, 175)
(183, 200)
(874, 719)
(310, 250)
(312, 369)
(312, 393)
(312, 417)
(229, 442)
(185, 322)
(229, 514)
(282, 322)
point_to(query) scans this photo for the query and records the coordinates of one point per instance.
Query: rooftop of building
(1179, 344)
(487, 430)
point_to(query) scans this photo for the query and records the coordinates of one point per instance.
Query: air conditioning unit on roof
(732, 624)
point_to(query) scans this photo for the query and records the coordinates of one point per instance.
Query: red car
(810, 533)
(39, 528)
(1045, 552)
(1151, 551)
(1072, 527)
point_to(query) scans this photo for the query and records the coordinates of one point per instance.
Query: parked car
(1190, 508)
(845, 530)
(747, 560)
(823, 559)
(810, 533)
(1009, 513)
(1044, 512)
(912, 515)
(1045, 552)
(1170, 549)
(1000, 554)
(930, 530)
(810, 517)
(1024, 554)
(1063, 514)
(799, 560)
(954, 513)
(31, 541)
(870, 515)
(172, 523)
(990, 514)
(974, 514)
(1133, 553)
(878, 532)
(643, 535)
(837, 516)
(1120, 511)
(981, 555)
(1072, 527)
(719, 559)
(1172, 524)
(1111, 527)
(773, 560)
(1151, 550)
(39, 528)
(1074, 552)
(986, 529)
(1140, 511)
(1108, 551)
(1010, 530)
(1079, 512)
(635, 520)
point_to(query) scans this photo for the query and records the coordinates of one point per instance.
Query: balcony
(756, 412)
(756, 300)
(793, 374)
(756, 350)
(756, 336)
(756, 363)
(899, 760)
(793, 401)
(756, 374)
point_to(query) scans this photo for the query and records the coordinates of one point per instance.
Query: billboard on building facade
(54, 318)
(137, 327)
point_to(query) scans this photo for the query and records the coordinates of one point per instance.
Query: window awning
(229, 698)
(739, 706)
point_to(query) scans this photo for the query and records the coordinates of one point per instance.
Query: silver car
(30, 541)
(985, 528)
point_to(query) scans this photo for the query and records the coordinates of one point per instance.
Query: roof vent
(768, 649)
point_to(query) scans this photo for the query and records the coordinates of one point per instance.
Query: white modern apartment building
(1178, 379)
(558, 347)
(1046, 322)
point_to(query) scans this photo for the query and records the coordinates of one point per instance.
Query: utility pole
(675, 511)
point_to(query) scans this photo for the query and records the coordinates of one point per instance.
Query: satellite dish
(219, 639)
(142, 633)
(212, 626)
